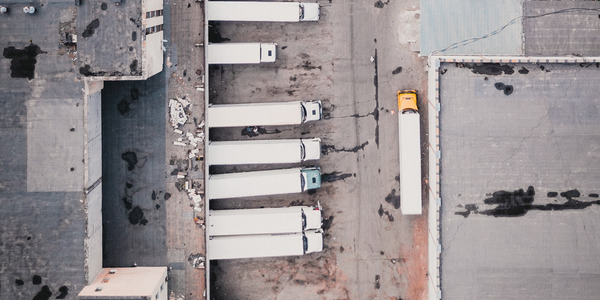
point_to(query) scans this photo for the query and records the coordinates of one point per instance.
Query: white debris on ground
(179, 108)
(196, 260)
(177, 111)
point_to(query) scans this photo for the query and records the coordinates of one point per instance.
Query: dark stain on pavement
(36, 279)
(519, 202)
(22, 64)
(381, 4)
(136, 216)
(19, 282)
(64, 291)
(127, 202)
(335, 176)
(123, 107)
(167, 196)
(326, 149)
(377, 284)
(552, 194)
(153, 195)
(131, 158)
(398, 70)
(43, 294)
(393, 199)
(523, 71)
(488, 68)
(327, 223)
(91, 28)
(376, 110)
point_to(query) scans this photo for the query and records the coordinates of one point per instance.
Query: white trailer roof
(253, 11)
(260, 151)
(257, 183)
(255, 221)
(254, 114)
(234, 53)
(247, 246)
(410, 163)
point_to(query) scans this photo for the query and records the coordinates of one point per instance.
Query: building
(52, 71)
(148, 283)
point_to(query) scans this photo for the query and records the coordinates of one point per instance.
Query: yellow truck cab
(407, 101)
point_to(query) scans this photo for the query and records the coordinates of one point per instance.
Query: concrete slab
(542, 134)
(471, 27)
(561, 28)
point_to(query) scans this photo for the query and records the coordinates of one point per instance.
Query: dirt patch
(415, 261)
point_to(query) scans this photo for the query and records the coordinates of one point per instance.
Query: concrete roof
(42, 220)
(510, 127)
(110, 38)
(562, 28)
(461, 27)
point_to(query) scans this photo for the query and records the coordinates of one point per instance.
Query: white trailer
(264, 245)
(410, 153)
(263, 151)
(241, 53)
(263, 114)
(262, 11)
(264, 220)
(259, 183)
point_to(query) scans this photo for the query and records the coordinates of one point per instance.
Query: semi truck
(262, 11)
(263, 114)
(409, 132)
(241, 53)
(263, 151)
(264, 220)
(264, 245)
(259, 183)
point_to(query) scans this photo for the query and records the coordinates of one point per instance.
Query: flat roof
(471, 27)
(42, 165)
(110, 38)
(519, 180)
(126, 282)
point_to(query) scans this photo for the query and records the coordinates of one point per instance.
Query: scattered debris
(197, 260)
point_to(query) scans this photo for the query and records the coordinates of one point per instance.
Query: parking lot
(371, 249)
(519, 181)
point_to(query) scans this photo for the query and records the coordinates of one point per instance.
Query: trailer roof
(246, 246)
(254, 114)
(254, 152)
(234, 53)
(257, 183)
(410, 164)
(253, 11)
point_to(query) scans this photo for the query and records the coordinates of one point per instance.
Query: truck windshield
(302, 150)
(305, 243)
(303, 112)
(303, 220)
(301, 12)
(302, 181)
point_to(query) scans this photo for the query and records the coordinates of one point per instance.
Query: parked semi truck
(241, 53)
(263, 114)
(258, 183)
(262, 11)
(264, 220)
(410, 153)
(264, 245)
(263, 151)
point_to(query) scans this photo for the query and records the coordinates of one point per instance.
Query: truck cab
(311, 178)
(313, 241)
(309, 11)
(311, 111)
(407, 101)
(312, 217)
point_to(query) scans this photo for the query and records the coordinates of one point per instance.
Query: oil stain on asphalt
(517, 203)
